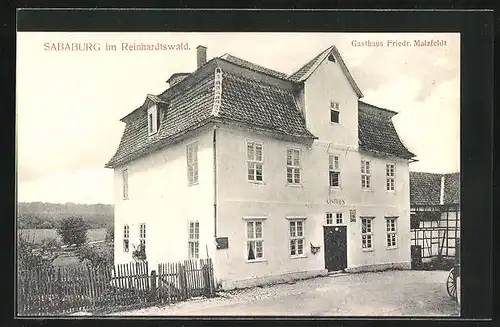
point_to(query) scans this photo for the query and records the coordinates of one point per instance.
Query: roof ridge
(263, 69)
(309, 61)
(377, 107)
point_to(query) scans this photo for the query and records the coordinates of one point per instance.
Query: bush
(73, 230)
(45, 225)
(110, 234)
(96, 256)
(139, 253)
(32, 255)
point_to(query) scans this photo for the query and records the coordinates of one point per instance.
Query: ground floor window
(366, 233)
(335, 218)
(126, 236)
(297, 238)
(391, 228)
(255, 240)
(194, 240)
(142, 236)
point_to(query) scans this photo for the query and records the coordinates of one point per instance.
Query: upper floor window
(390, 173)
(365, 175)
(194, 240)
(152, 120)
(334, 170)
(293, 166)
(192, 163)
(254, 161)
(125, 183)
(334, 111)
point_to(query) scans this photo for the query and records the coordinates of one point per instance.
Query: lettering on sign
(339, 202)
(352, 215)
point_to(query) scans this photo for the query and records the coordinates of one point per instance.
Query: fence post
(153, 290)
(182, 279)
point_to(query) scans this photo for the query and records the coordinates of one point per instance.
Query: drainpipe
(214, 147)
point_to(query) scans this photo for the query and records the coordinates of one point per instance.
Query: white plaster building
(273, 176)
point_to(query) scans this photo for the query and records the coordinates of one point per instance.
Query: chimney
(441, 194)
(201, 56)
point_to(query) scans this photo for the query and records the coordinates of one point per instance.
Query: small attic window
(152, 120)
(331, 57)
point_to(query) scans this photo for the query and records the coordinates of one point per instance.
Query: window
(297, 238)
(390, 173)
(334, 111)
(126, 237)
(391, 228)
(192, 163)
(125, 184)
(365, 175)
(366, 233)
(254, 161)
(142, 235)
(334, 218)
(334, 169)
(194, 240)
(152, 120)
(255, 240)
(293, 166)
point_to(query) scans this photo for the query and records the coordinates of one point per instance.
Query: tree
(73, 230)
(110, 234)
(46, 225)
(31, 255)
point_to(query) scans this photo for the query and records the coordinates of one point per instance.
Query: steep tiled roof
(452, 188)
(376, 132)
(252, 66)
(183, 112)
(425, 188)
(305, 71)
(266, 106)
(244, 101)
(308, 66)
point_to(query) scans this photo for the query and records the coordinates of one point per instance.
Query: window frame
(126, 238)
(390, 178)
(142, 235)
(254, 161)
(254, 238)
(391, 231)
(194, 178)
(366, 176)
(194, 239)
(334, 216)
(334, 169)
(367, 234)
(293, 167)
(125, 184)
(295, 238)
(152, 120)
(335, 107)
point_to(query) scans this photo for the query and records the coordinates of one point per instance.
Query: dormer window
(334, 111)
(152, 120)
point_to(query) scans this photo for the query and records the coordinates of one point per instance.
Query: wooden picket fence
(65, 290)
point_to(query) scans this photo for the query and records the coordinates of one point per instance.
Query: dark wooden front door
(335, 247)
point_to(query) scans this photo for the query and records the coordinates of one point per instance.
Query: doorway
(335, 238)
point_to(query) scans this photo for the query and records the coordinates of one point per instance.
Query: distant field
(40, 234)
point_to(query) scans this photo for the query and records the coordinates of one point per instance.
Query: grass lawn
(40, 234)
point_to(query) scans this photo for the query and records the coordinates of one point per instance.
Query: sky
(68, 103)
